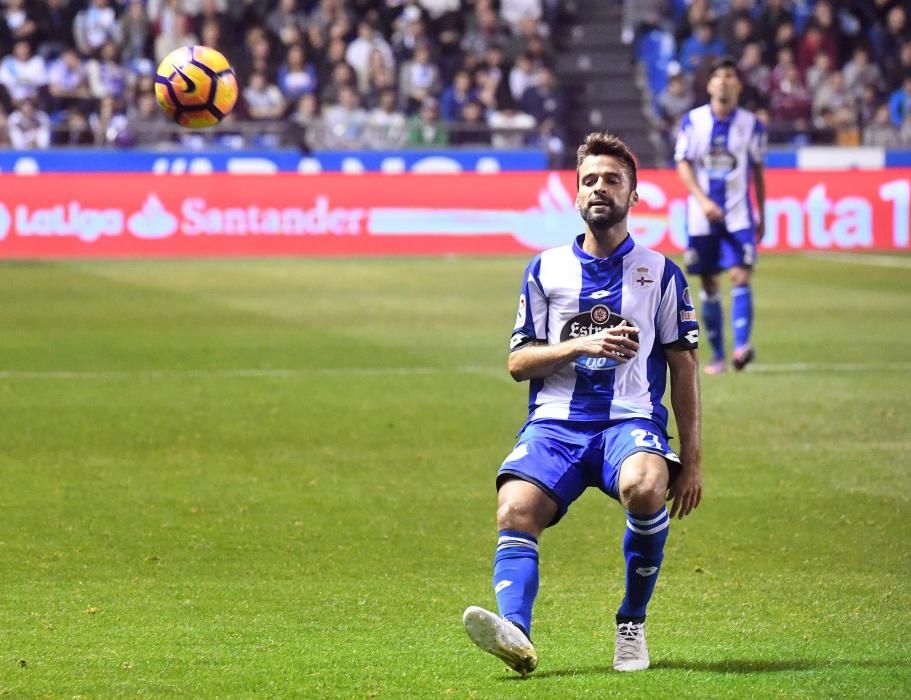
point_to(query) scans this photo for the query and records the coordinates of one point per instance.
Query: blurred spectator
(296, 76)
(263, 99)
(456, 96)
(699, 48)
(385, 125)
(107, 76)
(531, 33)
(4, 128)
(73, 129)
(471, 128)
(29, 127)
(23, 74)
(410, 32)
(136, 32)
(96, 25)
(544, 100)
(847, 131)
(426, 128)
(342, 77)
(756, 76)
(344, 121)
(286, 21)
(380, 77)
(509, 126)
(790, 102)
(905, 132)
(19, 22)
(812, 43)
(818, 73)
(514, 12)
(110, 125)
(698, 13)
(55, 26)
(859, 71)
(522, 75)
(548, 136)
(900, 102)
(674, 102)
(728, 32)
(359, 51)
(484, 32)
(887, 40)
(900, 67)
(174, 30)
(773, 14)
(832, 94)
(68, 82)
(306, 124)
(870, 100)
(785, 38)
(419, 79)
(881, 132)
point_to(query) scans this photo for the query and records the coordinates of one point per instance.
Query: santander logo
(153, 221)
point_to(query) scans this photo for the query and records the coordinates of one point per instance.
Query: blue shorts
(720, 250)
(563, 458)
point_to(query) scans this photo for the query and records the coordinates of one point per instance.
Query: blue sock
(713, 319)
(515, 576)
(643, 548)
(742, 314)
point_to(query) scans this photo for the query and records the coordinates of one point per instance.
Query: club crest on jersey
(642, 277)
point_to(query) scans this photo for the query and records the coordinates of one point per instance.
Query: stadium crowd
(833, 72)
(312, 73)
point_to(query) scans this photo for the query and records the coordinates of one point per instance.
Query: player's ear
(578, 202)
(633, 198)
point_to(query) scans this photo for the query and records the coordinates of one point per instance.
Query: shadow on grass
(744, 666)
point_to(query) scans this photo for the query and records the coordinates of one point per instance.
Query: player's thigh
(738, 249)
(624, 468)
(703, 255)
(548, 456)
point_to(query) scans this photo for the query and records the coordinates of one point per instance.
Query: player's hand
(711, 210)
(686, 491)
(614, 342)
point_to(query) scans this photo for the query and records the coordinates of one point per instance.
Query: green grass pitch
(274, 478)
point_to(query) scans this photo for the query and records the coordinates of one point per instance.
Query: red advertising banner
(135, 215)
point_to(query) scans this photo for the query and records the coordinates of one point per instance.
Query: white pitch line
(787, 368)
(861, 259)
(242, 372)
(766, 368)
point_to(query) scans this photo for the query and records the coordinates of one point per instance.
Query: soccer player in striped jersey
(720, 147)
(600, 321)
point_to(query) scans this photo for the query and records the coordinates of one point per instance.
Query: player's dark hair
(601, 143)
(724, 62)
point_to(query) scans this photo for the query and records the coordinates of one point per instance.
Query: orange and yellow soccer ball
(196, 86)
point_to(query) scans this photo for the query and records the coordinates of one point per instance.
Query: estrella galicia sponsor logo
(596, 319)
(719, 161)
(687, 316)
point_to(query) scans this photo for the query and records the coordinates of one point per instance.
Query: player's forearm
(759, 184)
(686, 404)
(688, 177)
(540, 360)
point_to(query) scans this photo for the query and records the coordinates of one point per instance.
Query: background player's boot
(501, 638)
(631, 652)
(717, 366)
(743, 356)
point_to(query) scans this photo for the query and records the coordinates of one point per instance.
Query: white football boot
(501, 638)
(631, 652)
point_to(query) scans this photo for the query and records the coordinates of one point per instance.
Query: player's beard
(613, 214)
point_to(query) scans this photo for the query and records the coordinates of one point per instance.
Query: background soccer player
(719, 147)
(599, 323)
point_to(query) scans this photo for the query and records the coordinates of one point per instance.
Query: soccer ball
(196, 86)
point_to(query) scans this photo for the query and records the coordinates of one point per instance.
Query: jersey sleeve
(531, 318)
(683, 149)
(759, 142)
(677, 328)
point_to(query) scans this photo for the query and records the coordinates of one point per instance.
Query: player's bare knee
(517, 515)
(643, 488)
(740, 276)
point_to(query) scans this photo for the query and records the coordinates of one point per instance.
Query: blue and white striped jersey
(567, 293)
(722, 153)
